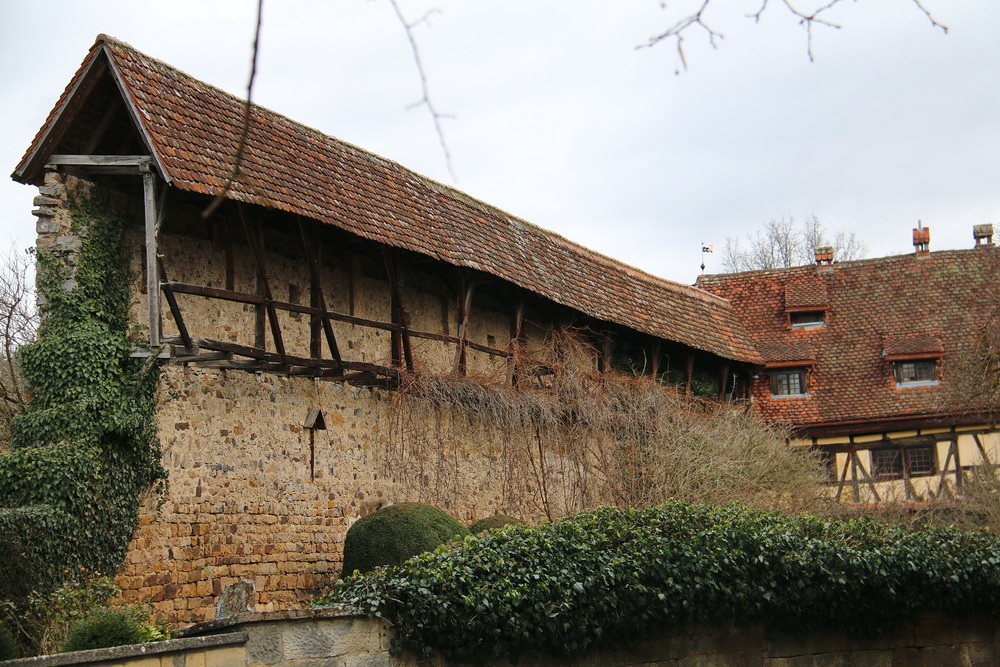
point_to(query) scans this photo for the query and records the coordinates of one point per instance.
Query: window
(915, 372)
(811, 318)
(890, 463)
(789, 382)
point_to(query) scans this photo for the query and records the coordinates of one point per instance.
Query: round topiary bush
(395, 533)
(493, 522)
(106, 628)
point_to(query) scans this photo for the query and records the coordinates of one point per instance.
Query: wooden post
(152, 224)
(464, 308)
(723, 377)
(688, 374)
(654, 360)
(516, 328)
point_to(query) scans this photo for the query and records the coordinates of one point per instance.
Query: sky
(556, 117)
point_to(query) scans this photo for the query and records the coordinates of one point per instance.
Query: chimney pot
(983, 234)
(922, 240)
(824, 254)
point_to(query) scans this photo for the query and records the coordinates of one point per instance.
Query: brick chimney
(983, 234)
(824, 254)
(922, 240)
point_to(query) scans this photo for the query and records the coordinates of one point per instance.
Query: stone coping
(121, 653)
(211, 628)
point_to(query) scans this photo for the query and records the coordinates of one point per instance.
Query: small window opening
(789, 382)
(811, 318)
(314, 422)
(916, 372)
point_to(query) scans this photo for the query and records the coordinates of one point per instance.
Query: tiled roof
(808, 292)
(192, 130)
(878, 308)
(912, 344)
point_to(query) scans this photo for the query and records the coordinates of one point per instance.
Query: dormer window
(807, 318)
(915, 372)
(914, 358)
(788, 382)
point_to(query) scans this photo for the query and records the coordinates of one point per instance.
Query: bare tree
(783, 242)
(18, 325)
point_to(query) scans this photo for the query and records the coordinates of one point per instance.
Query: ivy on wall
(85, 451)
(608, 578)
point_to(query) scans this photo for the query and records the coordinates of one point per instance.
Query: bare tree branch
(18, 326)
(807, 19)
(425, 100)
(245, 130)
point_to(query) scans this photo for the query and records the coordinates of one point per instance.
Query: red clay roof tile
(194, 130)
(875, 308)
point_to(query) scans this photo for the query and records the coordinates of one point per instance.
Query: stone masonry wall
(254, 494)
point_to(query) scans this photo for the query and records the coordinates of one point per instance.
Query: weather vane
(705, 249)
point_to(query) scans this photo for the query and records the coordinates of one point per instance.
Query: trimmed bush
(395, 533)
(494, 522)
(614, 577)
(106, 628)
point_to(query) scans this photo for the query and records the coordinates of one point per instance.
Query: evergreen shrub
(395, 533)
(613, 577)
(493, 522)
(106, 628)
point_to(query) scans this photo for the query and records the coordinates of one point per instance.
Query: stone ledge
(120, 653)
(212, 628)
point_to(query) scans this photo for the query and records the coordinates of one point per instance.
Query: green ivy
(611, 577)
(85, 450)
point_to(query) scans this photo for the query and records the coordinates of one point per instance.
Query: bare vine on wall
(569, 438)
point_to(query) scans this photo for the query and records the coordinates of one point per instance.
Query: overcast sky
(557, 118)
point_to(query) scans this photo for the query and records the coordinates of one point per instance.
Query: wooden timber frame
(861, 477)
(325, 359)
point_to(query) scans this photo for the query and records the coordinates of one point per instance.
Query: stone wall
(334, 639)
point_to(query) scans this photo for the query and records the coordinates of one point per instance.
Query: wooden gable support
(401, 351)
(256, 241)
(317, 298)
(152, 228)
(464, 309)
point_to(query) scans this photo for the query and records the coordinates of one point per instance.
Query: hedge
(612, 577)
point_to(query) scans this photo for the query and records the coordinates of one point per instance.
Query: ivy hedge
(611, 577)
(85, 450)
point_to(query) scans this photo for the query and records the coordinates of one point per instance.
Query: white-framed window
(789, 382)
(915, 372)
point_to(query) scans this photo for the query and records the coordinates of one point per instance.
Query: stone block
(46, 226)
(229, 656)
(317, 639)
